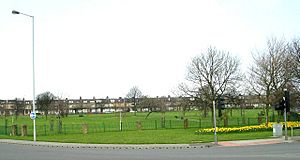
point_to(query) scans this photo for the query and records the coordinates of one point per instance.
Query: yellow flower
(248, 128)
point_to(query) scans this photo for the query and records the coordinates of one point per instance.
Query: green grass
(110, 122)
(127, 117)
(103, 128)
(296, 132)
(173, 136)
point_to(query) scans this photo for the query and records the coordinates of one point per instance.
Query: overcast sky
(104, 47)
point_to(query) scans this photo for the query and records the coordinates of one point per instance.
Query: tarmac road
(286, 151)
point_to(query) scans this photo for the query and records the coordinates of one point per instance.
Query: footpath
(256, 142)
(153, 146)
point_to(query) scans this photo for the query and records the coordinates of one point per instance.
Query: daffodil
(261, 127)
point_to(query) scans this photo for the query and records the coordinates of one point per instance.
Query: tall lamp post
(33, 71)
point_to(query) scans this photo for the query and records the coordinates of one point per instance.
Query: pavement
(107, 146)
(255, 142)
(154, 146)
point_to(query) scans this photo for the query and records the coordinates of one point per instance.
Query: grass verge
(173, 136)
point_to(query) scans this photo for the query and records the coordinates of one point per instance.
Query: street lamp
(33, 71)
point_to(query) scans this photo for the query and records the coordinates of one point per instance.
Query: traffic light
(287, 100)
(284, 103)
(221, 102)
(280, 106)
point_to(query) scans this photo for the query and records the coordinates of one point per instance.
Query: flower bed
(261, 127)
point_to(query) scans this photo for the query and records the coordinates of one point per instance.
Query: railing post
(65, 129)
(45, 129)
(5, 126)
(199, 123)
(103, 127)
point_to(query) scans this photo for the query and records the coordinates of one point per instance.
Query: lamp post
(33, 71)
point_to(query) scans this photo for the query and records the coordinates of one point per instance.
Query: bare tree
(133, 94)
(44, 102)
(185, 103)
(146, 103)
(61, 107)
(3, 108)
(271, 72)
(152, 105)
(19, 107)
(294, 49)
(212, 73)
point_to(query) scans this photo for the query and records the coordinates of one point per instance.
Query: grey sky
(102, 48)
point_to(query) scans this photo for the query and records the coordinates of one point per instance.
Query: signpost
(32, 115)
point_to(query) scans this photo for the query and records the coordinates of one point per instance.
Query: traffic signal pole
(285, 126)
(215, 123)
(286, 99)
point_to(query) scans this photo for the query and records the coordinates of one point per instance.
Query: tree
(271, 72)
(44, 102)
(3, 108)
(152, 105)
(146, 103)
(185, 103)
(133, 94)
(212, 73)
(61, 107)
(294, 49)
(199, 99)
(19, 107)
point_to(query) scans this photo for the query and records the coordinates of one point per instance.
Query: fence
(295, 132)
(59, 127)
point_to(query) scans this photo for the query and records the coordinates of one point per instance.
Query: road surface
(286, 151)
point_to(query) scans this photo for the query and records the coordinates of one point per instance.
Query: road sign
(32, 115)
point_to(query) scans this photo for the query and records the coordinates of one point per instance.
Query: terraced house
(109, 105)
